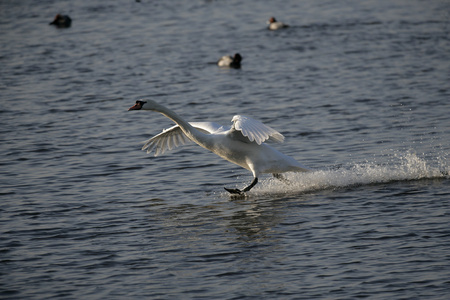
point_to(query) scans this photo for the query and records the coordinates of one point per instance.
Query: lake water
(360, 89)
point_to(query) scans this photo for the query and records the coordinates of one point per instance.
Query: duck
(230, 61)
(62, 21)
(275, 25)
(243, 143)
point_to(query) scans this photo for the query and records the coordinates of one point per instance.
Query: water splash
(407, 166)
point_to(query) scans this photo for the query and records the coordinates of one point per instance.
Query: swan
(275, 25)
(242, 143)
(230, 61)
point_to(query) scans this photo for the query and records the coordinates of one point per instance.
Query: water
(360, 89)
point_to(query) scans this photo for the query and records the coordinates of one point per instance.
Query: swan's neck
(192, 133)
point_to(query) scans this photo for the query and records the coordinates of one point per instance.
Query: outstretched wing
(254, 130)
(174, 137)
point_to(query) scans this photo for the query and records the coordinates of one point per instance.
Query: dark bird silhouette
(62, 21)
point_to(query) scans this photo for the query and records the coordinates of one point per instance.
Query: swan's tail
(301, 168)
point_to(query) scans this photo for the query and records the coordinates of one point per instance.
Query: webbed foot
(234, 191)
(239, 192)
(281, 178)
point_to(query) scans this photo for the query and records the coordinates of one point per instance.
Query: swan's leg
(254, 182)
(238, 191)
(281, 178)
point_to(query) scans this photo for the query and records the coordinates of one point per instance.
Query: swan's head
(145, 105)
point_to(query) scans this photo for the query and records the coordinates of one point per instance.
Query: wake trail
(403, 167)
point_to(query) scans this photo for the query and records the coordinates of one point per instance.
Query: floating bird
(242, 143)
(230, 62)
(275, 25)
(62, 21)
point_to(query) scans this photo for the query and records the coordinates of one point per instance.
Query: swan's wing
(173, 137)
(166, 140)
(254, 130)
(207, 127)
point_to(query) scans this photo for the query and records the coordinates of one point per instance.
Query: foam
(399, 167)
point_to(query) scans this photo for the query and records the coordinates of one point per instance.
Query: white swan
(242, 143)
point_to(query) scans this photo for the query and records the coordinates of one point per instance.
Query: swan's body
(242, 143)
(275, 25)
(230, 61)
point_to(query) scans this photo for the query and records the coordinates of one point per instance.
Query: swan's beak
(137, 106)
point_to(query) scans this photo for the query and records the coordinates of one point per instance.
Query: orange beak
(137, 106)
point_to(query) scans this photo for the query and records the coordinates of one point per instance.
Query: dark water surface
(360, 89)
